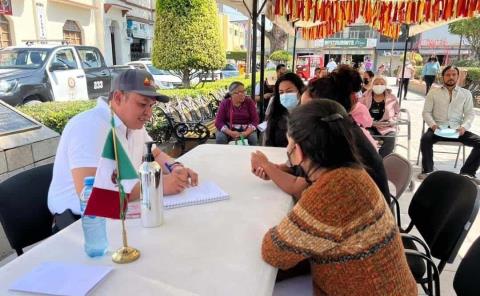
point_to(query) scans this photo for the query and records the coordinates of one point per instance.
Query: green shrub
(473, 74)
(55, 115)
(237, 55)
(467, 63)
(281, 56)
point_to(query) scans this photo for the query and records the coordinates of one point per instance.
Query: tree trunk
(186, 78)
(277, 37)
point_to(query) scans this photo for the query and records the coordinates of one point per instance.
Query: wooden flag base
(125, 255)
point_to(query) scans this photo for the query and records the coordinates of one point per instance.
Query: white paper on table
(447, 133)
(56, 278)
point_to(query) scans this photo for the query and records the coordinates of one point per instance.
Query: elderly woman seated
(384, 110)
(237, 116)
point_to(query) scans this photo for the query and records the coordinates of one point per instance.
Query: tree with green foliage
(281, 56)
(187, 38)
(470, 29)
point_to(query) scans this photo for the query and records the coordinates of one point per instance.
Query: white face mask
(379, 89)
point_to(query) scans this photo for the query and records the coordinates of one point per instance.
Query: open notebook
(205, 192)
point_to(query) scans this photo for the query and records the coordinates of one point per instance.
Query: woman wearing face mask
(237, 116)
(288, 90)
(340, 86)
(341, 224)
(384, 109)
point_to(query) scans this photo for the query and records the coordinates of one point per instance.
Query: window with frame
(72, 33)
(66, 57)
(90, 58)
(5, 39)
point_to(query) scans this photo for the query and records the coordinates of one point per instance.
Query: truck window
(66, 57)
(90, 58)
(22, 58)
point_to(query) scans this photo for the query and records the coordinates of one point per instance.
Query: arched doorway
(5, 37)
(72, 33)
(115, 41)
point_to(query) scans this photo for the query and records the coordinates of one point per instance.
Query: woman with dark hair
(345, 82)
(342, 86)
(237, 116)
(430, 72)
(341, 223)
(367, 77)
(287, 93)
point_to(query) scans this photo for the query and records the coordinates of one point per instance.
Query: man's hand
(174, 183)
(186, 174)
(461, 130)
(434, 127)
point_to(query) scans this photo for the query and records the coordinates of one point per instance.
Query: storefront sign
(139, 30)
(6, 7)
(345, 43)
(41, 21)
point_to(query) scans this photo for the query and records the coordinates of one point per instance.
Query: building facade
(127, 30)
(442, 44)
(121, 29)
(232, 31)
(354, 45)
(71, 20)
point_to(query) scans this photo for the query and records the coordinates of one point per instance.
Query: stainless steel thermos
(151, 190)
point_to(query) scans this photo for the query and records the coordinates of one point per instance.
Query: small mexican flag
(112, 186)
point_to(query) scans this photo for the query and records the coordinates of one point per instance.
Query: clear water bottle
(94, 228)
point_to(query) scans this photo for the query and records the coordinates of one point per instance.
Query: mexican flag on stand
(105, 199)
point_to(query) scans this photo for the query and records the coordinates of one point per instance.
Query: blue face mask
(289, 100)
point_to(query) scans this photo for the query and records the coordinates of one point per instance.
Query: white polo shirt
(81, 145)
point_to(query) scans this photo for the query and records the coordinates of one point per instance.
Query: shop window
(72, 33)
(4, 32)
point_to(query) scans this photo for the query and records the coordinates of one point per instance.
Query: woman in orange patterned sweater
(341, 223)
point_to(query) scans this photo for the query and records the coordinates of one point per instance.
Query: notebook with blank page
(205, 192)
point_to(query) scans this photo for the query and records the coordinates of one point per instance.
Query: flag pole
(125, 254)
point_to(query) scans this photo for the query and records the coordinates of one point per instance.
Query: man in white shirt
(132, 98)
(331, 65)
(449, 106)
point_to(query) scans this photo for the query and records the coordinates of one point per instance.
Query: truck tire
(32, 100)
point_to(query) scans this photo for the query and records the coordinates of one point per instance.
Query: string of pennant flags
(386, 16)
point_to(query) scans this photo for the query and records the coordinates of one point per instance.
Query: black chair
(465, 282)
(24, 213)
(442, 210)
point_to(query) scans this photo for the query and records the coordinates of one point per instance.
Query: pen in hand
(168, 167)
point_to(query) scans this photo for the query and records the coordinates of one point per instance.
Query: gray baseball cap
(138, 81)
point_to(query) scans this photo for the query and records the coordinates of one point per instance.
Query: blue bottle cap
(88, 181)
